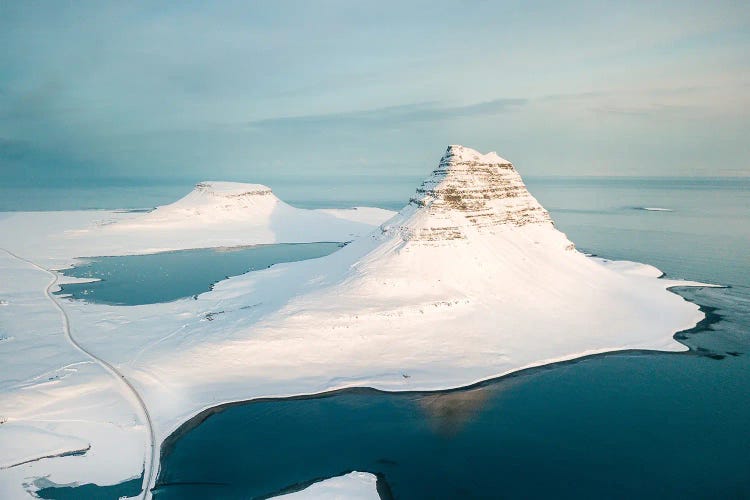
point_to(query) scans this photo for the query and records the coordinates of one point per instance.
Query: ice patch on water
(655, 209)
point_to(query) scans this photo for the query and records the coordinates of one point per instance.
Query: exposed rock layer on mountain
(483, 190)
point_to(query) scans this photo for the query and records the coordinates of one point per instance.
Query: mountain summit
(220, 201)
(226, 214)
(470, 193)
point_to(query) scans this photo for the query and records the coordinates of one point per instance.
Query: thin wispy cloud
(396, 115)
(644, 110)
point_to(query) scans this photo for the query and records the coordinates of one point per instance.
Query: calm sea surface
(646, 425)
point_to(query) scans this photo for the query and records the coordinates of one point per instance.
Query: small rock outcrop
(232, 189)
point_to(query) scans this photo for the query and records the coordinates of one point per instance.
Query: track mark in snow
(71, 453)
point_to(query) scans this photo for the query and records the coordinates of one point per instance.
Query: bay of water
(166, 276)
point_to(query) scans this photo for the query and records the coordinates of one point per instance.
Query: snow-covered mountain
(213, 214)
(469, 193)
(229, 211)
(212, 203)
(218, 201)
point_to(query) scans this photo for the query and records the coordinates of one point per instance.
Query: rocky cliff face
(470, 191)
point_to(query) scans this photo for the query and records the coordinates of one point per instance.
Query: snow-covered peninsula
(470, 280)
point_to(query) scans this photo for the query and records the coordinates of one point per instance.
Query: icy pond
(167, 276)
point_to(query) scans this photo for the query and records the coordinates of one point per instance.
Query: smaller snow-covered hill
(214, 214)
(217, 202)
(230, 214)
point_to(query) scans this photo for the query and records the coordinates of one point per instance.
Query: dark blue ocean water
(645, 425)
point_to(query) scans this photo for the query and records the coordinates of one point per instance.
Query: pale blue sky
(270, 91)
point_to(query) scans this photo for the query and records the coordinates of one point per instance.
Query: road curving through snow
(129, 389)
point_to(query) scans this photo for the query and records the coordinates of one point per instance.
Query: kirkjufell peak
(470, 191)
